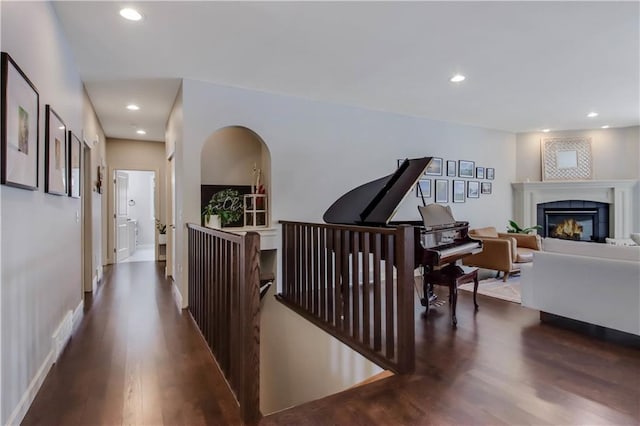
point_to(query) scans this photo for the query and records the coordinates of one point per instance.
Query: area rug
(497, 288)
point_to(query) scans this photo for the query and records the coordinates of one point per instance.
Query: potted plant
(514, 228)
(162, 232)
(223, 208)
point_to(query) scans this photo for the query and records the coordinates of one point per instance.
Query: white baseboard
(77, 315)
(177, 296)
(62, 335)
(94, 284)
(29, 395)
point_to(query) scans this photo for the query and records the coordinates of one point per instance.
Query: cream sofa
(594, 283)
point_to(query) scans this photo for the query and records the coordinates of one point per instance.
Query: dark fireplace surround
(574, 220)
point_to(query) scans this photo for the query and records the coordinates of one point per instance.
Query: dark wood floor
(136, 360)
(501, 366)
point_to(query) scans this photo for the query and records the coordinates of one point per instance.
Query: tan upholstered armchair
(503, 252)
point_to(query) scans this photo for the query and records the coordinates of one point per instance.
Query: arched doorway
(235, 159)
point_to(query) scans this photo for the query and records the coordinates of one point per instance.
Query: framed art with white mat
(55, 155)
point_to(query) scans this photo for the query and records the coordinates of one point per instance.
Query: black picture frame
(423, 188)
(441, 191)
(55, 153)
(479, 172)
(473, 189)
(435, 167)
(458, 191)
(20, 123)
(490, 173)
(74, 168)
(485, 187)
(452, 170)
(466, 169)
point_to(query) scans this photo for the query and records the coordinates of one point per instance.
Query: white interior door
(121, 216)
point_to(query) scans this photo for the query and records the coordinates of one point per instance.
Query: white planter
(162, 238)
(213, 222)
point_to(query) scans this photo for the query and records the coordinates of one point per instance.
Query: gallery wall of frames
(454, 181)
(20, 140)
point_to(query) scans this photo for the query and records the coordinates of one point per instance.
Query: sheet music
(436, 215)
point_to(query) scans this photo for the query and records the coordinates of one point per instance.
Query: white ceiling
(529, 65)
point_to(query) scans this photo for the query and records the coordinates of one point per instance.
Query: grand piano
(439, 240)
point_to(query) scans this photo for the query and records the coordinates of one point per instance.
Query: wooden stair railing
(224, 301)
(342, 279)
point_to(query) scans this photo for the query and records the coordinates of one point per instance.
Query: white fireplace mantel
(618, 193)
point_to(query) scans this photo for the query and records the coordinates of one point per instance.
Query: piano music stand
(451, 276)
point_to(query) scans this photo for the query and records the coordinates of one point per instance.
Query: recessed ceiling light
(130, 14)
(546, 130)
(133, 107)
(592, 114)
(141, 132)
(457, 78)
(61, 127)
(606, 126)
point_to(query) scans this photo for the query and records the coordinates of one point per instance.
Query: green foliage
(514, 228)
(227, 204)
(161, 227)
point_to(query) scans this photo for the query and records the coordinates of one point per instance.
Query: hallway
(134, 359)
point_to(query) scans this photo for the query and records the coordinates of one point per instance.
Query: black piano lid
(375, 202)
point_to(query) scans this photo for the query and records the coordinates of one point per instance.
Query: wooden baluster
(307, 269)
(322, 254)
(330, 274)
(355, 284)
(377, 303)
(338, 302)
(315, 290)
(366, 297)
(346, 308)
(388, 299)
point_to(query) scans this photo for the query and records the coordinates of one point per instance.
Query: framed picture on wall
(490, 173)
(466, 169)
(451, 168)
(20, 123)
(75, 156)
(458, 191)
(442, 191)
(55, 153)
(473, 189)
(423, 188)
(479, 172)
(435, 167)
(485, 187)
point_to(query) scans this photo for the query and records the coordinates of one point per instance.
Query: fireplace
(574, 220)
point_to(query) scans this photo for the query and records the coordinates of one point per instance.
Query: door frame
(113, 212)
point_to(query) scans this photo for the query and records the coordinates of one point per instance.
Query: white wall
(40, 265)
(228, 157)
(319, 151)
(141, 191)
(615, 154)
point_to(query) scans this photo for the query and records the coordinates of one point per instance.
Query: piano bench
(452, 276)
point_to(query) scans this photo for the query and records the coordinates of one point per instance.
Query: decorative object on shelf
(458, 191)
(226, 204)
(466, 169)
(479, 172)
(451, 168)
(442, 191)
(423, 188)
(490, 173)
(566, 159)
(75, 157)
(55, 153)
(473, 189)
(255, 210)
(435, 167)
(514, 228)
(161, 227)
(20, 127)
(485, 188)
